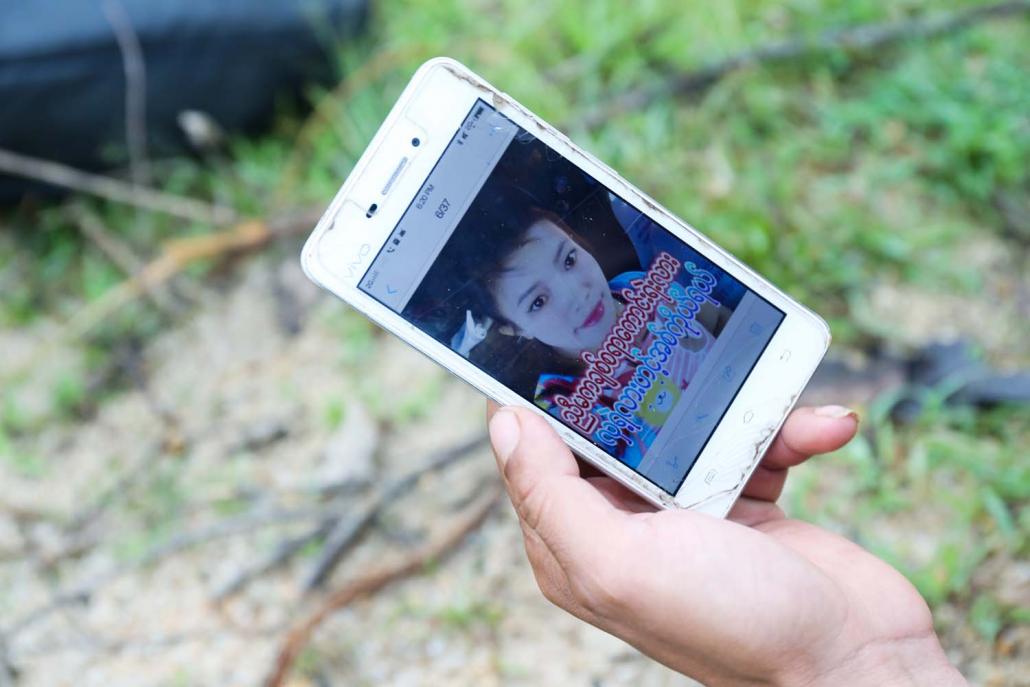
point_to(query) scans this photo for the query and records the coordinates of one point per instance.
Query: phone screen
(545, 279)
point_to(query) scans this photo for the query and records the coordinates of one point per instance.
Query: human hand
(754, 599)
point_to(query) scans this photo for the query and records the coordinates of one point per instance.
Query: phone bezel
(431, 108)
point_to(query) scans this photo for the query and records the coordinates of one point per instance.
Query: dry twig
(342, 532)
(376, 579)
(286, 550)
(347, 531)
(856, 40)
(119, 253)
(8, 676)
(176, 255)
(135, 643)
(223, 529)
(112, 189)
(119, 488)
(135, 89)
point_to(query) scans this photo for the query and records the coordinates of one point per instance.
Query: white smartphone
(488, 241)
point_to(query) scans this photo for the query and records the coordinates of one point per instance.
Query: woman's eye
(570, 259)
(538, 302)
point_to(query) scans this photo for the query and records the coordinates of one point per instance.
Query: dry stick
(176, 256)
(860, 39)
(374, 580)
(56, 174)
(342, 533)
(7, 673)
(286, 550)
(116, 250)
(135, 89)
(135, 642)
(173, 441)
(119, 253)
(186, 540)
(347, 531)
(120, 488)
(222, 529)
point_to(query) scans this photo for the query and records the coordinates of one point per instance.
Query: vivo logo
(359, 258)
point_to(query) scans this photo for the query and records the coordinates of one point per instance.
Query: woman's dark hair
(463, 278)
(482, 254)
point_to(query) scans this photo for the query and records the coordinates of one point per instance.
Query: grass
(465, 615)
(828, 175)
(805, 171)
(941, 500)
(22, 463)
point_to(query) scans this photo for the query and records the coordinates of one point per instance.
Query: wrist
(904, 662)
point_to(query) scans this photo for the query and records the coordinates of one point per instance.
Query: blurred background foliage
(831, 175)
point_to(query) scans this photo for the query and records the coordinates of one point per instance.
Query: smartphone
(484, 238)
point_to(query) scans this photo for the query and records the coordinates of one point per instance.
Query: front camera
(415, 142)
(371, 210)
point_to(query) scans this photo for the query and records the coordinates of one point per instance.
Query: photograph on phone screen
(579, 302)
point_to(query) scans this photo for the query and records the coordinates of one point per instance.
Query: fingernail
(504, 433)
(838, 412)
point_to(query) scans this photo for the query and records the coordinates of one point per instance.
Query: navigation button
(710, 477)
(785, 355)
(748, 417)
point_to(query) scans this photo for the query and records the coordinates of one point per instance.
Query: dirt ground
(241, 402)
(248, 413)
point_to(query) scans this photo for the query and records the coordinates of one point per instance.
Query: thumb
(544, 484)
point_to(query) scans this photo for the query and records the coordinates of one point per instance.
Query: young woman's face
(554, 291)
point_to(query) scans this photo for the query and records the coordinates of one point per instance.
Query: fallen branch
(228, 527)
(135, 89)
(861, 39)
(176, 255)
(8, 675)
(223, 529)
(347, 531)
(119, 488)
(279, 557)
(142, 197)
(119, 253)
(134, 643)
(342, 532)
(376, 579)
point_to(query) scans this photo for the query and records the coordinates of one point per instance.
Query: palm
(892, 606)
(757, 579)
(775, 587)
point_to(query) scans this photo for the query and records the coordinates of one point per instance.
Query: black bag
(63, 83)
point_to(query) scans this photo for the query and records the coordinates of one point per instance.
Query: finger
(765, 484)
(544, 484)
(809, 431)
(753, 512)
(551, 577)
(587, 470)
(619, 496)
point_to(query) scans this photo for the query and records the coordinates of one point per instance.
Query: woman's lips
(595, 315)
